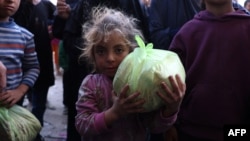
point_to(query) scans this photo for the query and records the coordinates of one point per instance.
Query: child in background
(102, 116)
(214, 48)
(17, 53)
(247, 5)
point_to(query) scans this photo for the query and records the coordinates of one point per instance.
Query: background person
(247, 5)
(214, 48)
(17, 55)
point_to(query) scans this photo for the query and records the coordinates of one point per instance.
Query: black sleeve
(50, 7)
(58, 26)
(72, 34)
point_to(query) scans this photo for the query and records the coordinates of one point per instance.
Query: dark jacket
(167, 16)
(36, 19)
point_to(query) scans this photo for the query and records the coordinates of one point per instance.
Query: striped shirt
(17, 53)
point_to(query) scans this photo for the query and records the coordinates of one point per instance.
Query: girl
(102, 116)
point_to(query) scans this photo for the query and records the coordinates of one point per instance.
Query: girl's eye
(119, 49)
(100, 51)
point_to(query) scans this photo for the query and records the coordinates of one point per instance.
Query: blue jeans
(39, 100)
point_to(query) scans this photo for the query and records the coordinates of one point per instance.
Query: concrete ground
(55, 121)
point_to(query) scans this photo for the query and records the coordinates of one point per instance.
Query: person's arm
(30, 64)
(58, 27)
(63, 9)
(90, 119)
(61, 15)
(30, 68)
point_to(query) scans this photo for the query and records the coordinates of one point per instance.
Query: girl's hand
(124, 105)
(172, 98)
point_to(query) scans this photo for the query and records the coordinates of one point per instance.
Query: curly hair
(102, 23)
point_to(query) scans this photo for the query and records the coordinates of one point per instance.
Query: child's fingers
(174, 93)
(169, 93)
(181, 84)
(114, 95)
(135, 106)
(136, 110)
(132, 97)
(123, 92)
(164, 97)
(173, 83)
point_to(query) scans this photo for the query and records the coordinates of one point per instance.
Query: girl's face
(109, 54)
(7, 9)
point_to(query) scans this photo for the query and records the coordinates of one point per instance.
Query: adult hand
(63, 9)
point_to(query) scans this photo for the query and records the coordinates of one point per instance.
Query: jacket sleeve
(156, 122)
(58, 27)
(89, 120)
(30, 65)
(162, 123)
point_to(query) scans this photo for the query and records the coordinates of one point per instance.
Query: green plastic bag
(144, 69)
(18, 124)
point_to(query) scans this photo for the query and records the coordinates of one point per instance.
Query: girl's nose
(111, 57)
